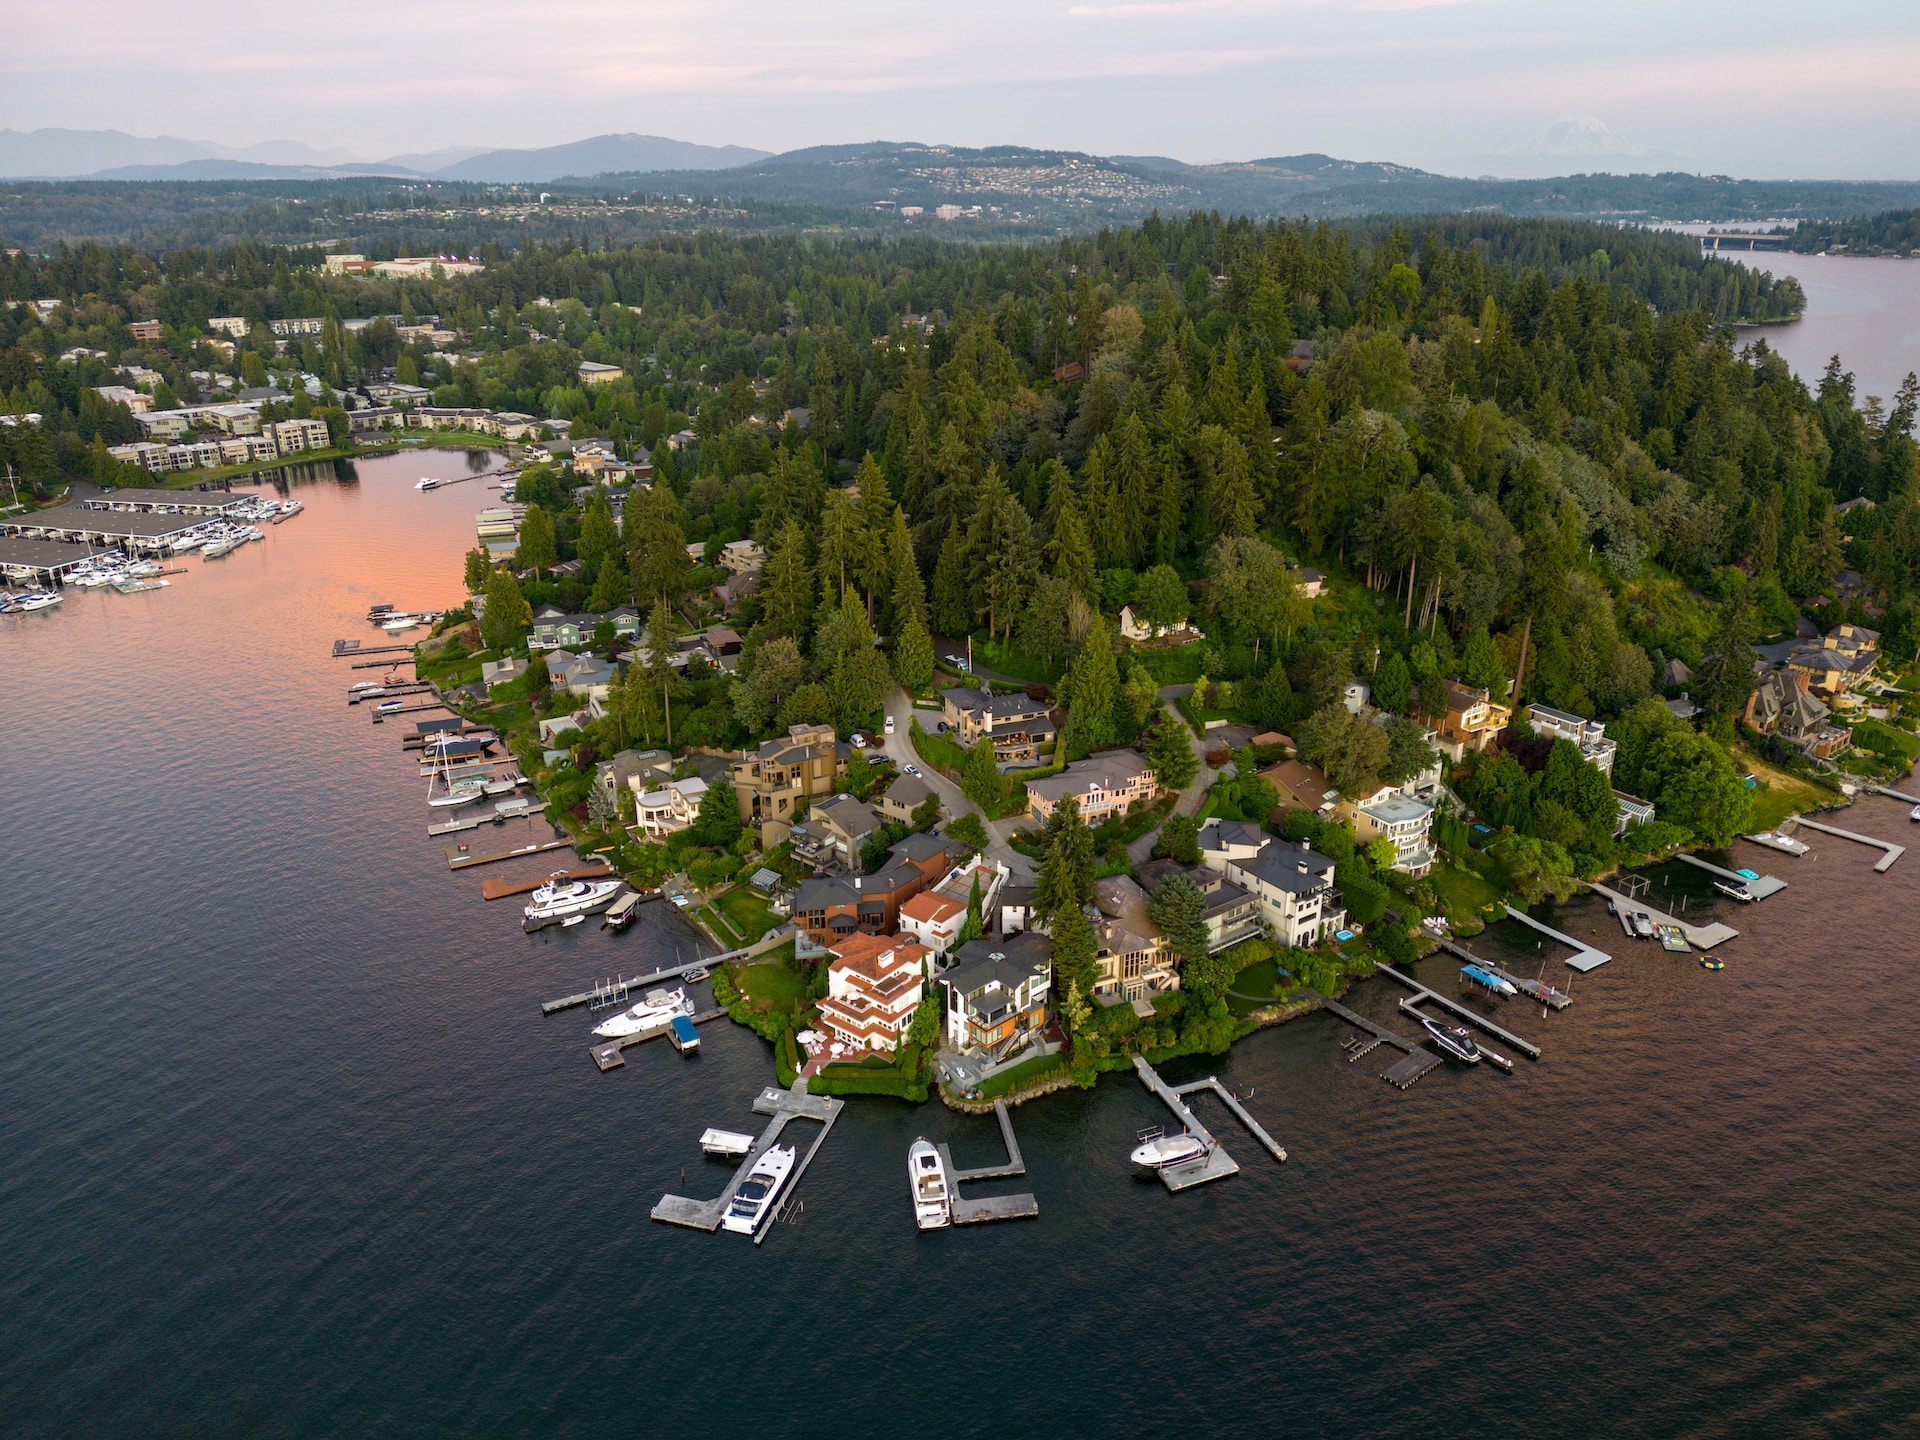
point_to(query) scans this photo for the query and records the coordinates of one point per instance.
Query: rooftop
(1008, 961)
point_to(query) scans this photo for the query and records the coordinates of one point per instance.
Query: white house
(934, 920)
(1407, 822)
(1590, 735)
(1293, 884)
(1132, 627)
(675, 806)
(874, 984)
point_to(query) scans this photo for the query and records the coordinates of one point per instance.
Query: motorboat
(727, 1144)
(754, 1200)
(1643, 924)
(426, 482)
(1453, 1039)
(37, 600)
(132, 586)
(214, 549)
(397, 623)
(387, 707)
(1734, 890)
(1780, 840)
(696, 975)
(505, 784)
(932, 1207)
(561, 897)
(1487, 978)
(364, 688)
(655, 1011)
(573, 920)
(1160, 1151)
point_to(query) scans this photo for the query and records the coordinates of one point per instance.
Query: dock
(606, 1053)
(381, 715)
(1892, 794)
(460, 857)
(1538, 989)
(354, 647)
(609, 993)
(1703, 937)
(1759, 888)
(377, 664)
(1894, 852)
(501, 889)
(1217, 1164)
(1471, 1016)
(992, 1207)
(783, 1106)
(1584, 956)
(1416, 1062)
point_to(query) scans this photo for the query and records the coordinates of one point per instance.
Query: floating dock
(1759, 887)
(613, 992)
(501, 889)
(380, 716)
(782, 1105)
(1702, 937)
(1538, 989)
(1471, 1016)
(460, 857)
(1584, 956)
(354, 647)
(991, 1207)
(606, 1053)
(1894, 852)
(1416, 1062)
(1216, 1164)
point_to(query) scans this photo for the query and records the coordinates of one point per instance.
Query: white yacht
(132, 585)
(753, 1201)
(459, 792)
(427, 482)
(560, 897)
(399, 622)
(366, 687)
(37, 600)
(214, 549)
(657, 1009)
(932, 1207)
(1163, 1152)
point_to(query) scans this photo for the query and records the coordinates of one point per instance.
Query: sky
(1760, 88)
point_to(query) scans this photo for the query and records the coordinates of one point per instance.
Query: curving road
(899, 746)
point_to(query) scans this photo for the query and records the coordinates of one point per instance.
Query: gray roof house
(903, 797)
(1292, 883)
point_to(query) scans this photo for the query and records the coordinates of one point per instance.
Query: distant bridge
(1710, 244)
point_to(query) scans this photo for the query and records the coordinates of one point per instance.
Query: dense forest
(1483, 429)
(1892, 232)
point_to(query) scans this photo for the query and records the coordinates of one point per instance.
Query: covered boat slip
(136, 532)
(151, 499)
(46, 559)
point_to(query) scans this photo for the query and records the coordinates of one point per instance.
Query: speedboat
(131, 586)
(1163, 1152)
(1643, 924)
(932, 1209)
(696, 975)
(1733, 890)
(364, 688)
(753, 1201)
(37, 600)
(1453, 1039)
(657, 1009)
(561, 897)
(387, 707)
(1489, 979)
(399, 622)
(427, 482)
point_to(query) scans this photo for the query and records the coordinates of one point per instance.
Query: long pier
(1232, 1102)
(1894, 852)
(991, 1207)
(620, 989)
(376, 664)
(1216, 1164)
(501, 889)
(381, 715)
(1467, 1013)
(1416, 1062)
(1760, 887)
(606, 1054)
(342, 648)
(1538, 989)
(1703, 937)
(1584, 956)
(1892, 794)
(460, 858)
(782, 1105)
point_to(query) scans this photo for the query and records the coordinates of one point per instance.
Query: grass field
(1025, 1073)
(769, 987)
(747, 912)
(1780, 794)
(1465, 894)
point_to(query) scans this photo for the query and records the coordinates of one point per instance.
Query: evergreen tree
(1076, 952)
(1091, 687)
(537, 550)
(913, 656)
(508, 616)
(1001, 562)
(662, 680)
(1067, 862)
(479, 567)
(599, 537)
(1393, 685)
(656, 546)
(906, 593)
(718, 823)
(611, 587)
(1180, 909)
(1179, 839)
(974, 926)
(952, 602)
(1483, 667)
(1170, 751)
(787, 592)
(1070, 554)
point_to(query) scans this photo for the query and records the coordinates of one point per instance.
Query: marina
(783, 1106)
(1894, 852)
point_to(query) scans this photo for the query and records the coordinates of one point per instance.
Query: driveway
(1194, 795)
(899, 746)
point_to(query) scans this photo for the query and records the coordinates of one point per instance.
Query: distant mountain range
(115, 155)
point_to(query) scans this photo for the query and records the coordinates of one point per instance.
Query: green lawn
(747, 912)
(1886, 742)
(1780, 795)
(1465, 894)
(768, 986)
(1024, 1073)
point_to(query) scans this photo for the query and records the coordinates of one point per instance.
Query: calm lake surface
(289, 1150)
(1864, 309)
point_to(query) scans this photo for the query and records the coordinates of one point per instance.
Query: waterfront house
(831, 908)
(1469, 719)
(1292, 883)
(1233, 915)
(1844, 661)
(1109, 783)
(874, 984)
(1629, 811)
(1590, 735)
(672, 807)
(934, 920)
(1133, 628)
(1309, 583)
(771, 783)
(1018, 727)
(1407, 822)
(997, 992)
(1783, 704)
(903, 797)
(1132, 958)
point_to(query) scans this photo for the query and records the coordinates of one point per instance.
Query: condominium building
(1590, 735)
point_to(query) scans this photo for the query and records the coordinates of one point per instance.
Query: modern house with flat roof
(997, 991)
(1590, 735)
(1407, 822)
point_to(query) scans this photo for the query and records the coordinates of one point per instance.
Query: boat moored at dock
(728, 1144)
(927, 1181)
(1491, 981)
(561, 897)
(1456, 1040)
(753, 1201)
(1158, 1150)
(656, 1011)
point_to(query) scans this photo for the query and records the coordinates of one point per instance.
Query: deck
(1467, 1013)
(1703, 937)
(990, 1207)
(1416, 1062)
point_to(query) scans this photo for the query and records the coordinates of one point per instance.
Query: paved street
(899, 745)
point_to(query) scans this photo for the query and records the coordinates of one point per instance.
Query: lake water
(1865, 310)
(288, 1149)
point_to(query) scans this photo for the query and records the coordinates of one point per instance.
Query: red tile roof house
(933, 920)
(874, 984)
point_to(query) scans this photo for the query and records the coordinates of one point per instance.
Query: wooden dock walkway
(1760, 887)
(1471, 1016)
(1585, 957)
(380, 717)
(1894, 852)
(343, 648)
(606, 1053)
(1416, 1062)
(389, 692)
(1217, 1164)
(378, 664)
(782, 1105)
(501, 889)
(1538, 989)
(459, 857)
(619, 989)
(1892, 794)
(1232, 1102)
(981, 1209)
(1704, 937)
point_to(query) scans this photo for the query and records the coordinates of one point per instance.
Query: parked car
(889, 724)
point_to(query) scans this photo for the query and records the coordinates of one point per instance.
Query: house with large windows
(1133, 959)
(1019, 728)
(997, 992)
(1407, 822)
(772, 782)
(1290, 881)
(874, 984)
(1469, 719)
(1109, 783)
